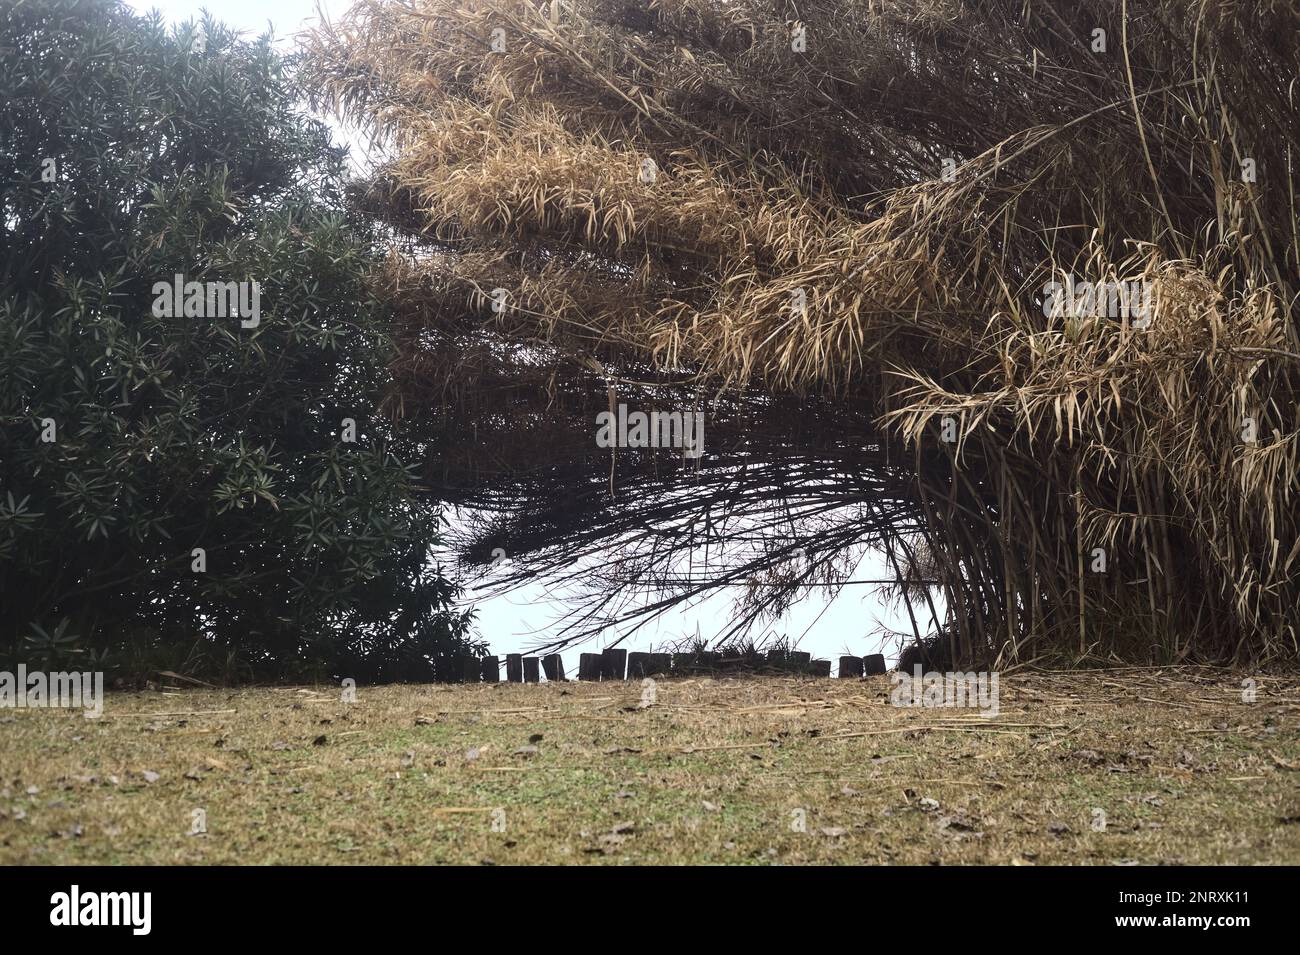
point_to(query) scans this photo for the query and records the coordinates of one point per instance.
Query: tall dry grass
(917, 176)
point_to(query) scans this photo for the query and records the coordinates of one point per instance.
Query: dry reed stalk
(915, 177)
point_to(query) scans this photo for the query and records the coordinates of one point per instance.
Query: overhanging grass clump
(878, 204)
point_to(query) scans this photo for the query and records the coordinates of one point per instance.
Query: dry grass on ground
(718, 771)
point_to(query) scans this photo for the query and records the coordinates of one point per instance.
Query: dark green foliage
(181, 433)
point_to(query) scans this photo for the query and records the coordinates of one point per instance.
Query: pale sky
(526, 617)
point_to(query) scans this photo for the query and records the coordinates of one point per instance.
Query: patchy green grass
(718, 771)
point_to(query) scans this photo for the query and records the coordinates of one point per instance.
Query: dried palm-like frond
(859, 207)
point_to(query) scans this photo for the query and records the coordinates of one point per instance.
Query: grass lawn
(743, 770)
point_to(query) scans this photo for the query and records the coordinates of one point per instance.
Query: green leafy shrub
(176, 483)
